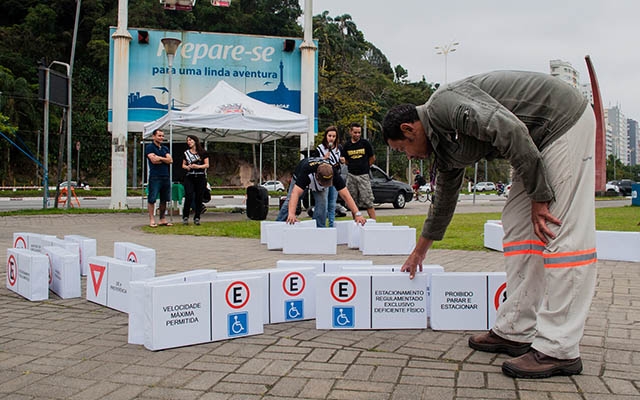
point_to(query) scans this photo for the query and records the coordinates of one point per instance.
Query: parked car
(612, 186)
(384, 188)
(484, 187)
(388, 190)
(274, 186)
(625, 186)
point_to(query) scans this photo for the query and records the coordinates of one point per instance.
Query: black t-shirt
(357, 156)
(305, 175)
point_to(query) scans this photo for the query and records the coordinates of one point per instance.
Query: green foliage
(355, 78)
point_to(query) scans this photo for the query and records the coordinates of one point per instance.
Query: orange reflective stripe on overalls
(570, 259)
(523, 247)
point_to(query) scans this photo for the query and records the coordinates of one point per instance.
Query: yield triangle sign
(97, 273)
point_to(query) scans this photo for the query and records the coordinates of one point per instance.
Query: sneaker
(185, 221)
(196, 221)
(536, 365)
(492, 343)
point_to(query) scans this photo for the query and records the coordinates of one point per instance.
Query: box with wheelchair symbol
(135, 253)
(342, 301)
(385, 300)
(466, 300)
(292, 294)
(28, 273)
(236, 307)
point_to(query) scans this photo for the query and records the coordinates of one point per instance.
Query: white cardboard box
(466, 300)
(28, 274)
(177, 315)
(68, 245)
(493, 234)
(343, 228)
(263, 230)
(610, 245)
(29, 240)
(387, 240)
(135, 253)
(310, 240)
(137, 297)
(292, 294)
(236, 308)
(318, 265)
(371, 301)
(618, 246)
(262, 279)
(108, 281)
(274, 232)
(354, 232)
(88, 248)
(339, 265)
(64, 272)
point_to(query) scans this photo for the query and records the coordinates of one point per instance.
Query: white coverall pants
(549, 288)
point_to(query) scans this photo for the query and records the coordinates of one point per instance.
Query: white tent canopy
(228, 115)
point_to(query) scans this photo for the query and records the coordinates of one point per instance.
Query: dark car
(388, 190)
(625, 186)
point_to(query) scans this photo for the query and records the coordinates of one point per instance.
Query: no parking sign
(343, 301)
(292, 294)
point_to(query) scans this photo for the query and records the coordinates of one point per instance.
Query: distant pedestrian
(329, 150)
(159, 161)
(359, 156)
(195, 162)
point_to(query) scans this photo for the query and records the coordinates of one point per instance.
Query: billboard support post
(121, 39)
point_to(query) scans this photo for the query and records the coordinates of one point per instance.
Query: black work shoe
(537, 365)
(492, 343)
(185, 221)
(196, 221)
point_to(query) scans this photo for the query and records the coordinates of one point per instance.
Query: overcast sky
(506, 34)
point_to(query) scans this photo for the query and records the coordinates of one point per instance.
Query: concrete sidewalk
(74, 349)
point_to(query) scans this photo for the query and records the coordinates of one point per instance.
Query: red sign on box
(12, 270)
(343, 289)
(293, 284)
(237, 294)
(97, 273)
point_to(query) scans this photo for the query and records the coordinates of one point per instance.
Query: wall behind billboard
(256, 65)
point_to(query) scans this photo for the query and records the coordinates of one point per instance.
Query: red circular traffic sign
(233, 290)
(132, 257)
(12, 270)
(500, 296)
(20, 243)
(293, 289)
(347, 297)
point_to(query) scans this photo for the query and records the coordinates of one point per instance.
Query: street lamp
(170, 47)
(446, 49)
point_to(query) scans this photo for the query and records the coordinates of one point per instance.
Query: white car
(612, 186)
(484, 186)
(274, 186)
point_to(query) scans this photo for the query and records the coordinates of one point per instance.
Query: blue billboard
(265, 68)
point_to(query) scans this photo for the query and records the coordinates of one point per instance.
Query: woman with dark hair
(330, 151)
(195, 162)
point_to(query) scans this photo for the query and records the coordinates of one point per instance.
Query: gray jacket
(502, 114)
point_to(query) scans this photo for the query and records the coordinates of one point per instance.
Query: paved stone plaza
(74, 349)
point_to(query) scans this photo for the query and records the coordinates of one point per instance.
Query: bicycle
(422, 195)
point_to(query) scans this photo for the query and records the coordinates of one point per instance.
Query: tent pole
(260, 178)
(275, 177)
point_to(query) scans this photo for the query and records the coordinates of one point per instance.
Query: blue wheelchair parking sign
(293, 310)
(343, 317)
(237, 324)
